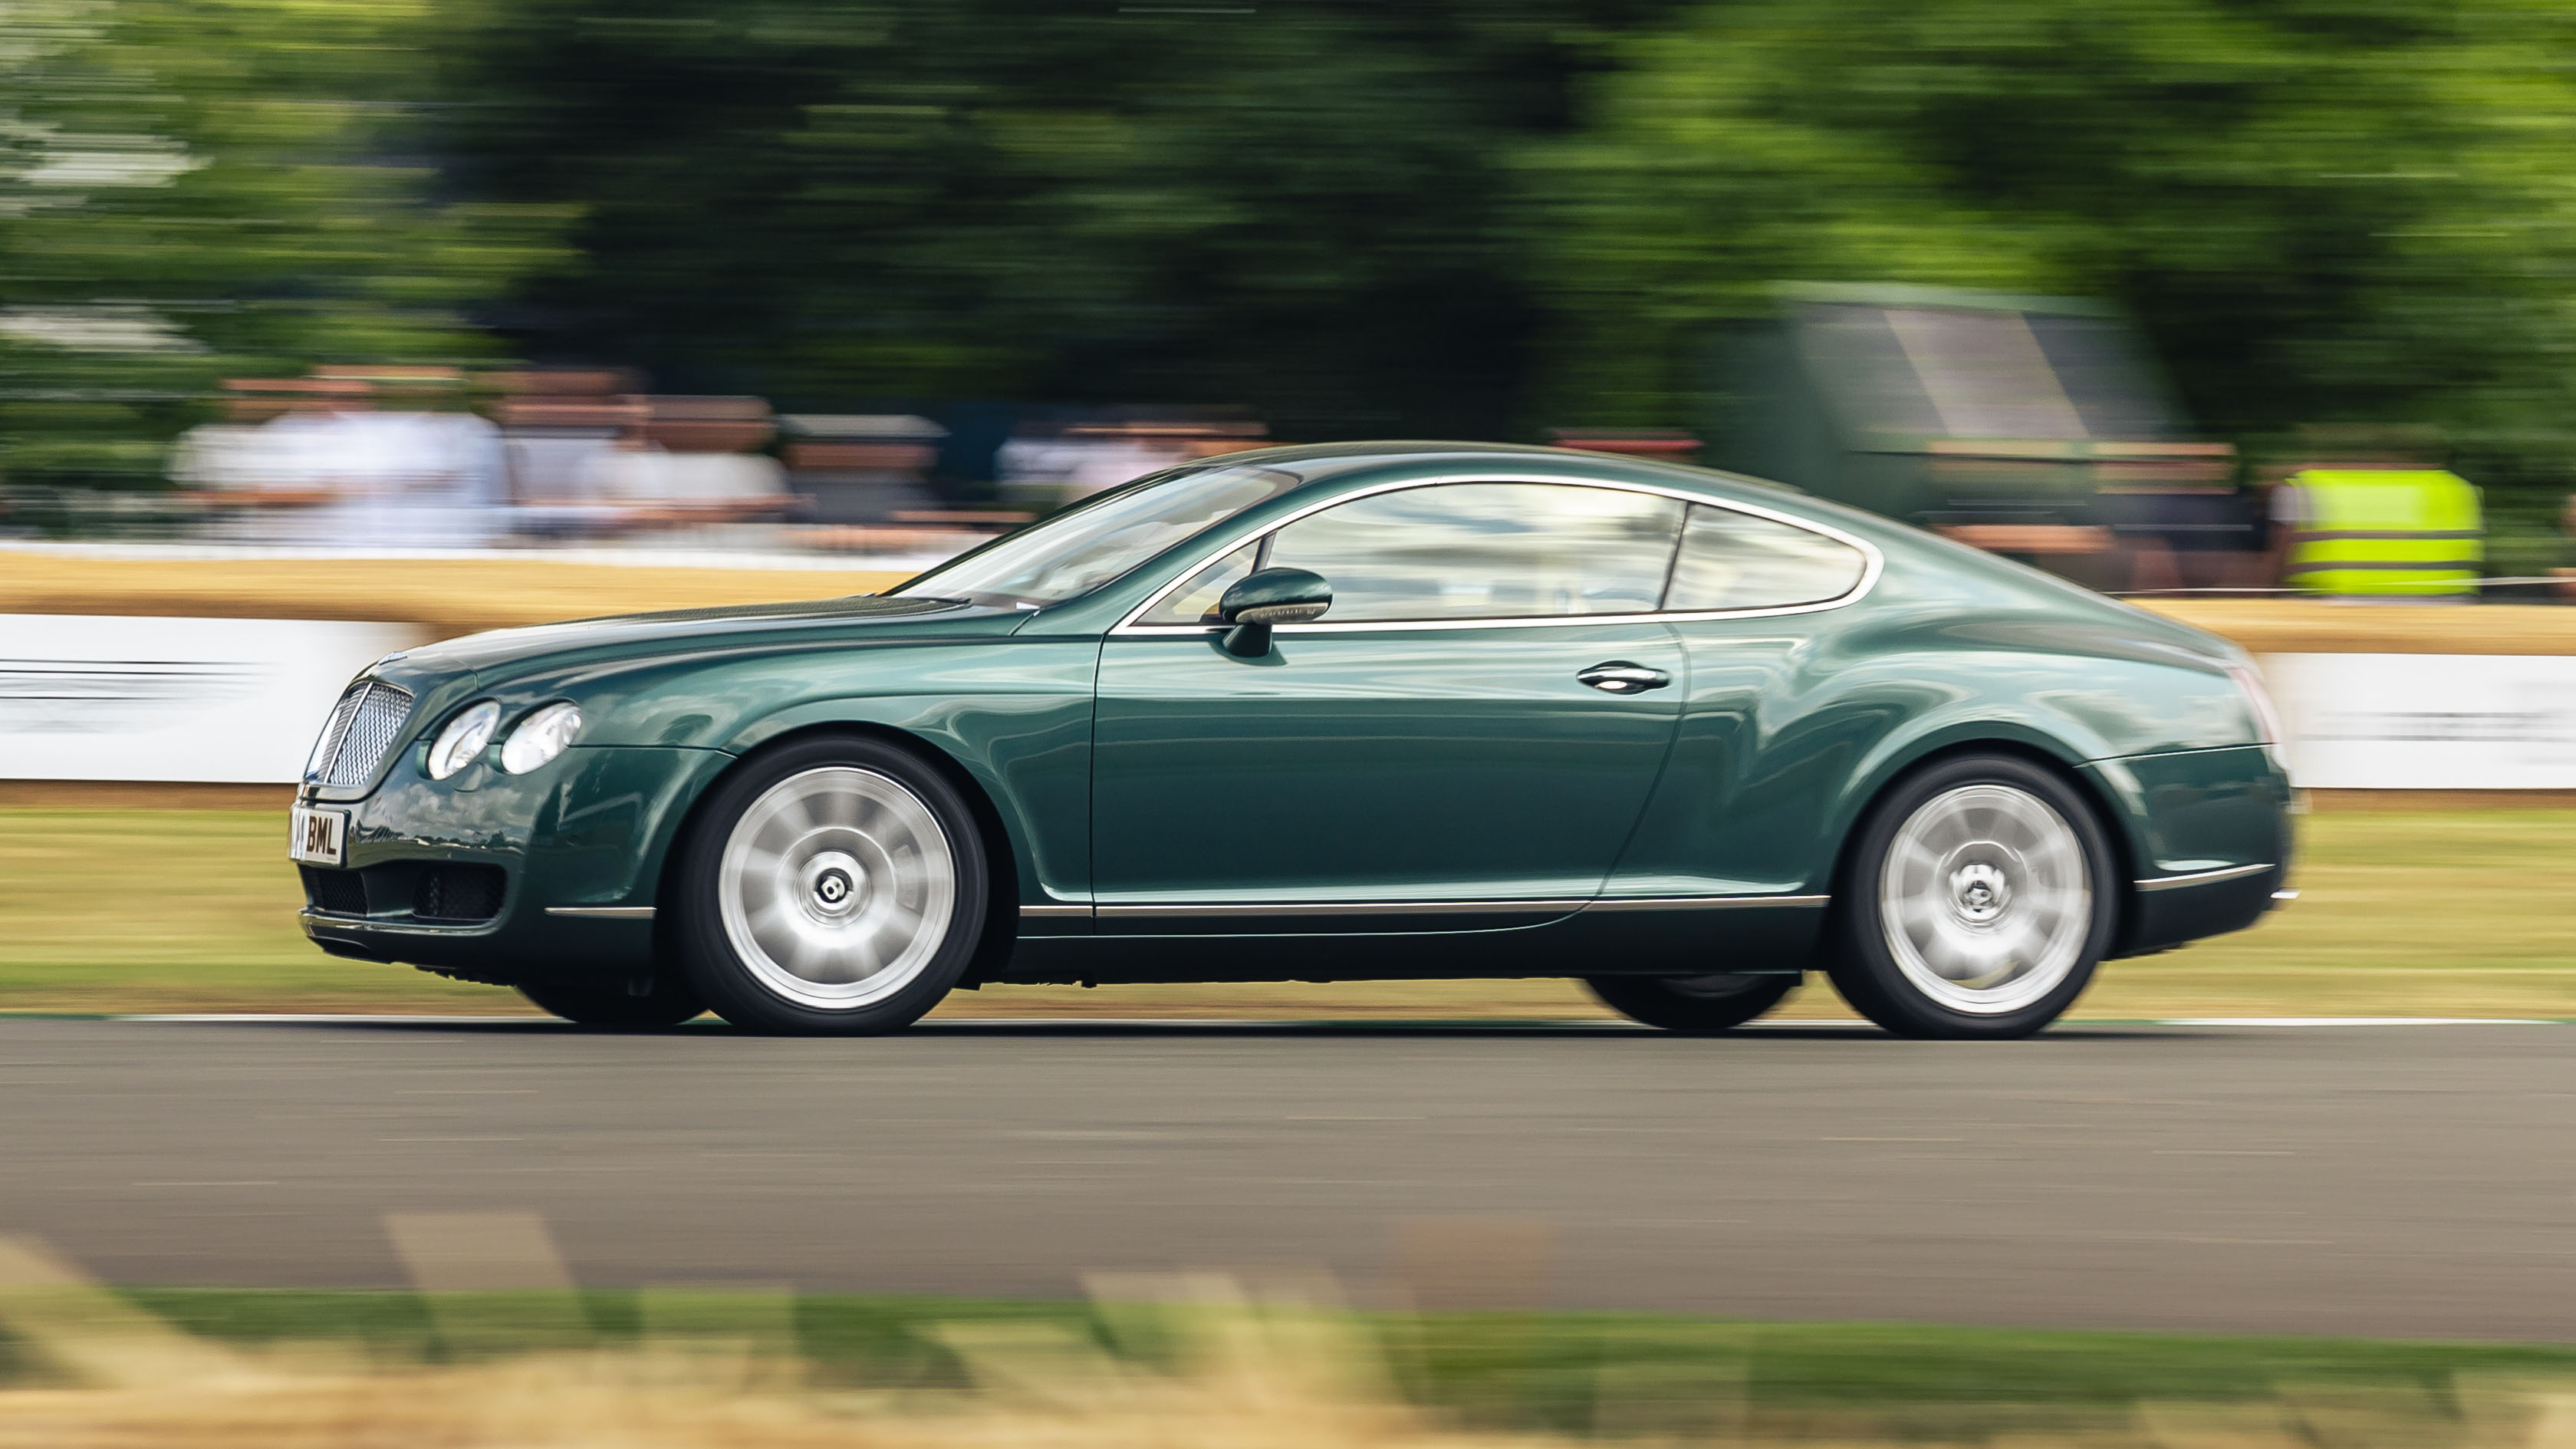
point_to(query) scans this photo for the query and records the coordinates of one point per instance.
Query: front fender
(1014, 715)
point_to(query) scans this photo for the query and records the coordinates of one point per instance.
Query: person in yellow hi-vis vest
(2390, 533)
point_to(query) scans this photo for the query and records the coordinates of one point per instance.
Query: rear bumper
(2208, 837)
(2170, 917)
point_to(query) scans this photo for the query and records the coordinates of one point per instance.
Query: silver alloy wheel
(1986, 899)
(836, 887)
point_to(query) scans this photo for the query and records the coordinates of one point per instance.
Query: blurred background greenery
(1448, 218)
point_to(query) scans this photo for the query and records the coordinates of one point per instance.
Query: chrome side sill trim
(2203, 877)
(1338, 908)
(1702, 903)
(2285, 895)
(1053, 913)
(1448, 908)
(603, 913)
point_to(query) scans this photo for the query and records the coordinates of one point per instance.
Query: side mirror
(1272, 596)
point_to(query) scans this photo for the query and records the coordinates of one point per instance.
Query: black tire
(1694, 1004)
(878, 860)
(607, 1002)
(2009, 902)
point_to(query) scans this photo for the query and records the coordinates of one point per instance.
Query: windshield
(1086, 546)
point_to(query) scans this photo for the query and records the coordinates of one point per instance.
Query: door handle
(1618, 676)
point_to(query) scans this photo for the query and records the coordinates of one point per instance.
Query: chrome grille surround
(362, 728)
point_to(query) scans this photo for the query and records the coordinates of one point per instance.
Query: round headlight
(463, 739)
(540, 737)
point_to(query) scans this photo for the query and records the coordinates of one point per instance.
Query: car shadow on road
(1077, 1028)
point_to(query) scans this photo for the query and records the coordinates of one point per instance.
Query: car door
(1775, 717)
(1427, 754)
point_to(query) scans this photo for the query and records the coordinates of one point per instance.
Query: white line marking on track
(2360, 1021)
(327, 1018)
(1248, 1023)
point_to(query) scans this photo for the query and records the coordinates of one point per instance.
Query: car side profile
(1333, 713)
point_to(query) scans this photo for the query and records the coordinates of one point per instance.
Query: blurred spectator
(554, 422)
(2385, 533)
(1089, 458)
(637, 471)
(1666, 443)
(331, 470)
(589, 456)
(862, 468)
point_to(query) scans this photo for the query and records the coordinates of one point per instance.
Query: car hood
(630, 636)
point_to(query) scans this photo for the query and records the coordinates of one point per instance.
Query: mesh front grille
(339, 892)
(364, 725)
(458, 893)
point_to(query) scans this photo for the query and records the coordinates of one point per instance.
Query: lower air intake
(458, 893)
(338, 892)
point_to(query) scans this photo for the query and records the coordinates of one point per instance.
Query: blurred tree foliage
(2354, 211)
(1304, 206)
(1475, 217)
(195, 189)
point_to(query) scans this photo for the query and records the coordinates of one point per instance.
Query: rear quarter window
(1732, 560)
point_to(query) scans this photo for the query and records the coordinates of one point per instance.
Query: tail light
(2267, 719)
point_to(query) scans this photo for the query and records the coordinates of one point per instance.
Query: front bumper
(588, 833)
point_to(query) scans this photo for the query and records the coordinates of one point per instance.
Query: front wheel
(833, 888)
(1693, 1003)
(1979, 899)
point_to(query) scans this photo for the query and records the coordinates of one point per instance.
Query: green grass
(1554, 1371)
(2454, 914)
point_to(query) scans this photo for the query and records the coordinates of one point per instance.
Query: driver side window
(1485, 551)
(1195, 602)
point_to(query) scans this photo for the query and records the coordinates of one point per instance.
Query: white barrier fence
(100, 697)
(2428, 721)
(88, 697)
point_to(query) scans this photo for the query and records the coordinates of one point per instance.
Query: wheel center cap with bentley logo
(1982, 893)
(832, 882)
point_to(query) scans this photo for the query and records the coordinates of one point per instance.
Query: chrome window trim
(1873, 563)
(1164, 911)
(2202, 877)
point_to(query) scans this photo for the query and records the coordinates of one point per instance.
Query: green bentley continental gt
(1323, 714)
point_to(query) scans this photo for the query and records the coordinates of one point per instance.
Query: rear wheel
(1980, 898)
(609, 1003)
(1693, 1003)
(834, 888)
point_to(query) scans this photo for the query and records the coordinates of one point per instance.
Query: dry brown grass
(445, 596)
(2306, 626)
(1234, 1373)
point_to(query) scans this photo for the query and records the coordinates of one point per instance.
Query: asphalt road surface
(2398, 1180)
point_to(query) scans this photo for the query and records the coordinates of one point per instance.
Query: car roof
(1319, 461)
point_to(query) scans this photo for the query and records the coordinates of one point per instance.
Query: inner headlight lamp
(463, 739)
(540, 737)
